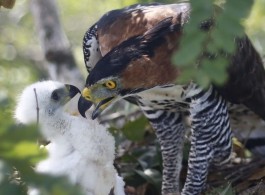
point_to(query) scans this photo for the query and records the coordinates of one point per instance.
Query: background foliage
(21, 63)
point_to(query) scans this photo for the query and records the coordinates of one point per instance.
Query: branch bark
(61, 64)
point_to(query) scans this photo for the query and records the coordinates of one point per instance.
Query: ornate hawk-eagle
(128, 56)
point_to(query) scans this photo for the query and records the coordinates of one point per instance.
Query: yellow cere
(86, 93)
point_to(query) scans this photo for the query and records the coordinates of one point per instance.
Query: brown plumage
(119, 25)
(159, 67)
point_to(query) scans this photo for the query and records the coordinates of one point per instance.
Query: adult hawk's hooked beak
(86, 100)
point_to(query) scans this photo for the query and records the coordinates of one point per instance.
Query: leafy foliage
(19, 153)
(209, 34)
(143, 165)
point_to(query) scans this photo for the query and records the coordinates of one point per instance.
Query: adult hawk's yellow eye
(110, 84)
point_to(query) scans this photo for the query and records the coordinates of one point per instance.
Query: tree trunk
(61, 64)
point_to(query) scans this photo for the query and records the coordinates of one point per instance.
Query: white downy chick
(81, 149)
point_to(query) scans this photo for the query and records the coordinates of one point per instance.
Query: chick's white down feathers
(81, 149)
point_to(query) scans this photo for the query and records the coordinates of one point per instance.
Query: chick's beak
(67, 93)
(72, 90)
(87, 99)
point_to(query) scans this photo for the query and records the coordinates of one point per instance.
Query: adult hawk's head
(139, 63)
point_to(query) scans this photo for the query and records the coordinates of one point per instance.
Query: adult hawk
(128, 55)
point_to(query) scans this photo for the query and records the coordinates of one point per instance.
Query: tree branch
(56, 48)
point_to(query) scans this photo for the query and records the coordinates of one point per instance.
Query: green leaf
(221, 37)
(215, 69)
(223, 40)
(186, 75)
(135, 130)
(211, 47)
(202, 79)
(190, 49)
(20, 142)
(230, 25)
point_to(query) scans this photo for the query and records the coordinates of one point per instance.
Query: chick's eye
(55, 96)
(110, 84)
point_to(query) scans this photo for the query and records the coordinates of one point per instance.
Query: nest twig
(37, 105)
